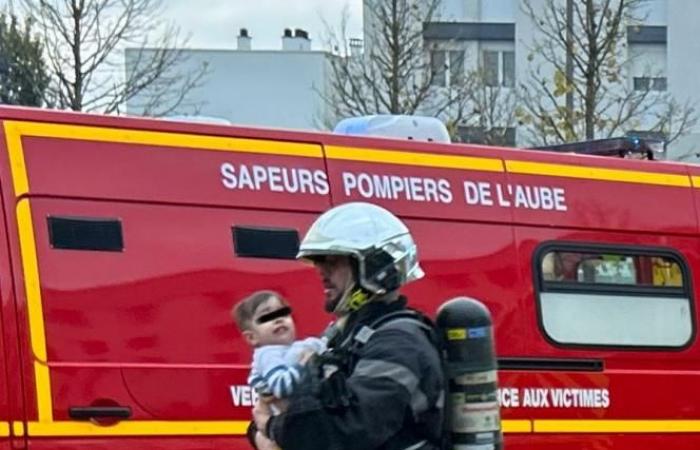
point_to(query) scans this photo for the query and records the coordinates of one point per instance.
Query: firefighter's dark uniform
(388, 392)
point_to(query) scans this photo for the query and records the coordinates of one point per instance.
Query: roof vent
(244, 40)
(298, 42)
(419, 128)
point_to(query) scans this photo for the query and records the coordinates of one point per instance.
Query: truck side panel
(133, 329)
(140, 165)
(466, 244)
(511, 186)
(467, 259)
(575, 393)
(134, 312)
(11, 404)
(111, 322)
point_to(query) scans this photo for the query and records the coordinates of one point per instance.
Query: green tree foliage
(23, 74)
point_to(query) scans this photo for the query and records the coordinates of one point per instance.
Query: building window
(649, 83)
(438, 65)
(499, 68)
(491, 68)
(456, 61)
(447, 67)
(492, 136)
(605, 296)
(508, 69)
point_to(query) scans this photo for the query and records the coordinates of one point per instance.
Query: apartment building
(498, 36)
(243, 85)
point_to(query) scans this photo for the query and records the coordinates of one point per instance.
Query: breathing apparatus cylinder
(466, 331)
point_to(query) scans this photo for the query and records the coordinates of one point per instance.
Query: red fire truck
(126, 241)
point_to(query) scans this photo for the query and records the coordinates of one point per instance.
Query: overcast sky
(215, 23)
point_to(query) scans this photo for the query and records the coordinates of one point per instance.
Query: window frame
(492, 75)
(508, 81)
(544, 286)
(498, 78)
(659, 84)
(648, 83)
(438, 72)
(455, 67)
(452, 71)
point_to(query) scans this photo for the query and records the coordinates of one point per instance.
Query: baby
(265, 321)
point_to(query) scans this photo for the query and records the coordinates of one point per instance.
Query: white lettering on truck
(243, 395)
(510, 397)
(291, 180)
(395, 187)
(297, 180)
(544, 198)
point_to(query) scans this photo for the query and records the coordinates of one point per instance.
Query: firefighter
(381, 384)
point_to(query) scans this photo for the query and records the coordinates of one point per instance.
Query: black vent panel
(83, 233)
(260, 242)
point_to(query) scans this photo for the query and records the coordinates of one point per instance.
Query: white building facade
(285, 88)
(498, 36)
(273, 88)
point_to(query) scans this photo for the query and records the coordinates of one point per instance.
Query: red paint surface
(149, 327)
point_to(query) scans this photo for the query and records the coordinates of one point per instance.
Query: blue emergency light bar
(623, 147)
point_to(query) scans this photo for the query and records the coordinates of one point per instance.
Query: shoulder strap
(407, 319)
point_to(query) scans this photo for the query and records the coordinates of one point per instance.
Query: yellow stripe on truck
(238, 427)
(616, 426)
(31, 279)
(32, 288)
(597, 173)
(516, 426)
(140, 428)
(414, 159)
(45, 426)
(16, 155)
(14, 131)
(18, 428)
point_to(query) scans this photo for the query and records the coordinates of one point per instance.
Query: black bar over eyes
(276, 314)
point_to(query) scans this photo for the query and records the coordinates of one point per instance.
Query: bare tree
(579, 86)
(391, 75)
(487, 108)
(401, 69)
(85, 40)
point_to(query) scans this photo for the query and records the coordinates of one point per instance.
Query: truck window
(605, 296)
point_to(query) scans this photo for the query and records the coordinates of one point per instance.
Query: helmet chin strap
(353, 298)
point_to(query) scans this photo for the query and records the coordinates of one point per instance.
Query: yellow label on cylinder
(456, 334)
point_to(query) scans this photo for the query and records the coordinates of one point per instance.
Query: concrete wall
(265, 88)
(655, 12)
(683, 65)
(478, 10)
(499, 10)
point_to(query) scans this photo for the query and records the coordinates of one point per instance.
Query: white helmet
(380, 243)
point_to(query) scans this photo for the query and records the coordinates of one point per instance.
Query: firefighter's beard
(338, 304)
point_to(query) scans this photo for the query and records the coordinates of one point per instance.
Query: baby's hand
(305, 356)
